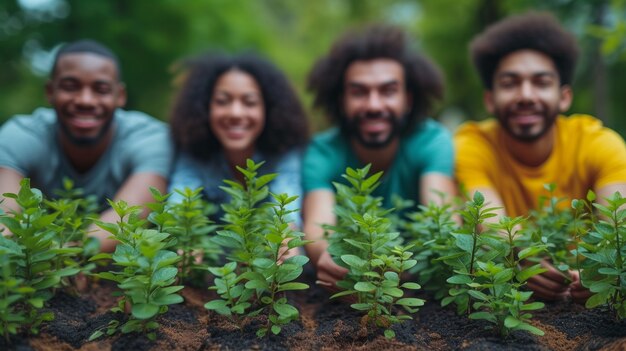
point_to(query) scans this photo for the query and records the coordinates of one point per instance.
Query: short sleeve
(21, 149)
(439, 153)
(607, 155)
(317, 165)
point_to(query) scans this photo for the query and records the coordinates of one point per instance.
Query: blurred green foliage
(151, 35)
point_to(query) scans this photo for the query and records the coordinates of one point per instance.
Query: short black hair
(86, 46)
(538, 31)
(286, 125)
(423, 79)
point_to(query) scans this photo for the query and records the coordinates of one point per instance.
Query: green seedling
(604, 249)
(496, 287)
(148, 274)
(189, 227)
(362, 242)
(34, 264)
(430, 232)
(76, 213)
(257, 277)
(556, 225)
(488, 270)
(14, 294)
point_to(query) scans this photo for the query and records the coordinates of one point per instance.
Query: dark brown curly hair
(534, 30)
(286, 125)
(423, 79)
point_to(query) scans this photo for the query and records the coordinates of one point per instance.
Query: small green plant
(148, 274)
(14, 294)
(257, 277)
(488, 271)
(604, 269)
(430, 232)
(76, 213)
(189, 227)
(33, 231)
(363, 243)
(557, 226)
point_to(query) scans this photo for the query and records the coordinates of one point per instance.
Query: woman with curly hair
(232, 108)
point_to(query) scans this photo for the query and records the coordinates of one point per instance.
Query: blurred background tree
(151, 35)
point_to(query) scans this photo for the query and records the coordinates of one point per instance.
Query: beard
(351, 127)
(527, 133)
(85, 141)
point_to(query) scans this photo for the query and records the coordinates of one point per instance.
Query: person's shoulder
(328, 140)
(482, 128)
(40, 119)
(38, 125)
(581, 123)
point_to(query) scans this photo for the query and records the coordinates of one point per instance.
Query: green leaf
(459, 279)
(412, 286)
(168, 299)
(597, 299)
(364, 287)
(95, 335)
(354, 261)
(286, 311)
(483, 315)
(390, 334)
(410, 301)
(511, 322)
(361, 306)
(144, 310)
(292, 286)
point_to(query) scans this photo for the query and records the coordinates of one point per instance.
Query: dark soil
(324, 325)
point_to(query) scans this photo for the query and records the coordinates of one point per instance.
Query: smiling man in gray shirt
(86, 137)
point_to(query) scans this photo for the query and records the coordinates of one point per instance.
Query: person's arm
(317, 209)
(135, 191)
(9, 183)
(433, 183)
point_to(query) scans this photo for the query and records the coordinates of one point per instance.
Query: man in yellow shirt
(526, 64)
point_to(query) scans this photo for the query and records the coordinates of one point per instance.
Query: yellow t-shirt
(586, 156)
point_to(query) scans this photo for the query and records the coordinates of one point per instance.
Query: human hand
(578, 292)
(550, 285)
(328, 272)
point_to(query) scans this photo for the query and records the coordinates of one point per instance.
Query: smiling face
(237, 112)
(84, 92)
(375, 101)
(527, 95)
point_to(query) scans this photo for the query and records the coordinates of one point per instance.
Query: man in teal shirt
(379, 92)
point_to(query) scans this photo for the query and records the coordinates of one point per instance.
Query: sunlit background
(151, 35)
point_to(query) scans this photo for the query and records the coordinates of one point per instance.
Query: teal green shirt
(427, 149)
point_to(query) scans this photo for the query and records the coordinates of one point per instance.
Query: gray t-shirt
(29, 145)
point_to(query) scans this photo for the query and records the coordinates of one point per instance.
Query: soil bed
(324, 325)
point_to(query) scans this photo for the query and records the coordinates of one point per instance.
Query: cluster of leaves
(488, 273)
(558, 227)
(604, 269)
(430, 230)
(187, 222)
(77, 212)
(258, 275)
(148, 274)
(35, 260)
(363, 242)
